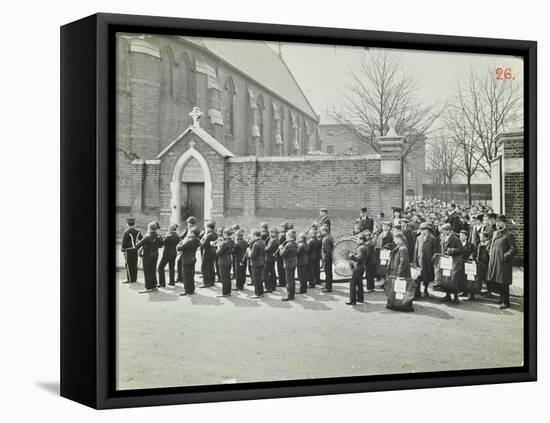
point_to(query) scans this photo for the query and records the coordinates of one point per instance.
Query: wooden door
(195, 201)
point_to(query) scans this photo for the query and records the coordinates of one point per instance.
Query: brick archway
(175, 202)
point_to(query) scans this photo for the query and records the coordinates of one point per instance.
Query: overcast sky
(324, 71)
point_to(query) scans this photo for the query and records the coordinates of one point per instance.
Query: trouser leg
(225, 278)
(132, 261)
(328, 273)
(302, 275)
(241, 276)
(352, 289)
(162, 271)
(290, 282)
(171, 269)
(281, 272)
(505, 294)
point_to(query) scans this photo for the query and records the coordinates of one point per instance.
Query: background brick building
(338, 138)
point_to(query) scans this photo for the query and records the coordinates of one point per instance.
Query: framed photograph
(259, 211)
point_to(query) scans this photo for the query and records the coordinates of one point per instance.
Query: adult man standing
(454, 219)
(425, 248)
(130, 238)
(475, 230)
(327, 247)
(208, 252)
(288, 252)
(365, 222)
(239, 254)
(270, 278)
(302, 263)
(188, 249)
(225, 248)
(256, 257)
(359, 261)
(503, 249)
(370, 266)
(280, 268)
(314, 258)
(323, 219)
(169, 253)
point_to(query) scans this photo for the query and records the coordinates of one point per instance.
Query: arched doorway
(191, 188)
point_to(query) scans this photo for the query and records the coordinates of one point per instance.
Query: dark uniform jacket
(195, 229)
(365, 223)
(503, 248)
(224, 252)
(282, 239)
(359, 258)
(314, 250)
(257, 253)
(399, 262)
(208, 251)
(188, 248)
(170, 242)
(130, 238)
(270, 249)
(324, 221)
(239, 250)
(327, 246)
(302, 253)
(288, 254)
(150, 244)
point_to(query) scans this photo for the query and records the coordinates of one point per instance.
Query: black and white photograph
(299, 211)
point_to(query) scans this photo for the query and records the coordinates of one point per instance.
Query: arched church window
(229, 107)
(184, 80)
(260, 116)
(166, 72)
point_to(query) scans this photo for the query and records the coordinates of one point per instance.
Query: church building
(251, 102)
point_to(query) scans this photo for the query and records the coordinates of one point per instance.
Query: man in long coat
(451, 246)
(425, 248)
(503, 248)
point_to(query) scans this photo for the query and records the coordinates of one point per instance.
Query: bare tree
(443, 161)
(466, 140)
(487, 104)
(382, 90)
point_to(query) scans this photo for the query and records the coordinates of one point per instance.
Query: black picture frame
(87, 210)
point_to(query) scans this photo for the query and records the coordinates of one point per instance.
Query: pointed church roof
(203, 135)
(260, 62)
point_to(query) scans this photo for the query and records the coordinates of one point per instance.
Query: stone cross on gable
(196, 115)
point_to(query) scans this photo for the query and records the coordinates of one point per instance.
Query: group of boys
(272, 256)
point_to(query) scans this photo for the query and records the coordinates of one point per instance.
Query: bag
(444, 277)
(400, 293)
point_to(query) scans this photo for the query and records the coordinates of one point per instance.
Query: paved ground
(166, 340)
